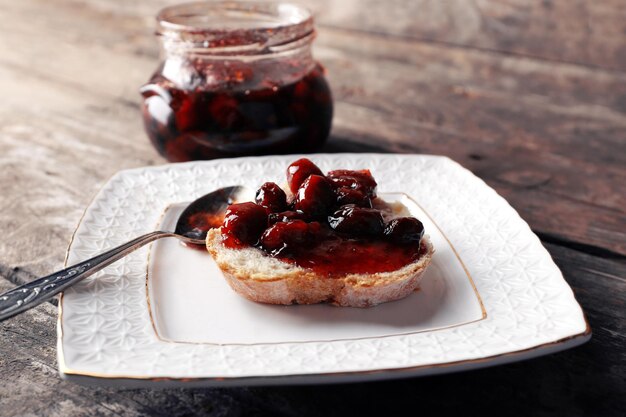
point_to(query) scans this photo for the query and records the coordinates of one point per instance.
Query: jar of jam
(237, 78)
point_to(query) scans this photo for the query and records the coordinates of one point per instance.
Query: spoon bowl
(207, 212)
(192, 226)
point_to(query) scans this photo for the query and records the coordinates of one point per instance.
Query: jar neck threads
(243, 30)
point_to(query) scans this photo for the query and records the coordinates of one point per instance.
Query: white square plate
(164, 315)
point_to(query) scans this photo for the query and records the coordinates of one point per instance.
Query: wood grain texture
(586, 33)
(582, 32)
(531, 96)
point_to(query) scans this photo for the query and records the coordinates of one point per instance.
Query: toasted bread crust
(264, 279)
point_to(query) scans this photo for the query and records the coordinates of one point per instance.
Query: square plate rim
(90, 378)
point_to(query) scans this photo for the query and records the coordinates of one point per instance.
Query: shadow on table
(549, 386)
(337, 144)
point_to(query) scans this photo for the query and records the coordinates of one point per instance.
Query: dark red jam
(338, 254)
(253, 116)
(319, 231)
(199, 223)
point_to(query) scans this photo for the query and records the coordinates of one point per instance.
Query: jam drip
(317, 231)
(251, 117)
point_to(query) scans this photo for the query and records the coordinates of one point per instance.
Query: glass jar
(236, 78)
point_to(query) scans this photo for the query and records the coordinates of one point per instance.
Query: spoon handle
(29, 295)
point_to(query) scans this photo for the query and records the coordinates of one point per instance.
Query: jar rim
(236, 27)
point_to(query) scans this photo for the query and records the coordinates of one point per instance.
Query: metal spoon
(201, 215)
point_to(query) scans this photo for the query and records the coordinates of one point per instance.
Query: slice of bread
(262, 278)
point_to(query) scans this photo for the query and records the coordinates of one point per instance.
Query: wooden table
(531, 96)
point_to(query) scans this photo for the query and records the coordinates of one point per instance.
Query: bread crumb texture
(262, 278)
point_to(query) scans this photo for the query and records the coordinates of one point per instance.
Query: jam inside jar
(237, 78)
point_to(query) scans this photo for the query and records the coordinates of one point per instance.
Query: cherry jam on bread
(329, 225)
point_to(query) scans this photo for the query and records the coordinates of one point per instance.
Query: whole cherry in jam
(357, 221)
(290, 236)
(404, 230)
(361, 180)
(243, 224)
(285, 216)
(299, 171)
(315, 196)
(352, 196)
(272, 197)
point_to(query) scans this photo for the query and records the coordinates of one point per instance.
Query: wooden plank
(588, 33)
(584, 32)
(514, 101)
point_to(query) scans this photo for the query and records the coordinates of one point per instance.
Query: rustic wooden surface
(530, 95)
